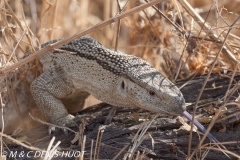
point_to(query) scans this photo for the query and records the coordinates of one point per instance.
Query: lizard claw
(51, 129)
(65, 132)
(54, 129)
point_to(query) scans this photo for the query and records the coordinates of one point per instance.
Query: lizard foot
(67, 121)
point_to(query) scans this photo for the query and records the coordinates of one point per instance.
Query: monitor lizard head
(148, 89)
(138, 84)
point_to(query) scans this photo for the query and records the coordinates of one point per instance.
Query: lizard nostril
(152, 93)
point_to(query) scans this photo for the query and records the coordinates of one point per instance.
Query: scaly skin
(84, 66)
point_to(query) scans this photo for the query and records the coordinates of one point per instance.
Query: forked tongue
(201, 127)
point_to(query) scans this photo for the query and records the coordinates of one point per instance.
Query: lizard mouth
(160, 110)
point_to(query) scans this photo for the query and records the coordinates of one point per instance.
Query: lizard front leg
(47, 90)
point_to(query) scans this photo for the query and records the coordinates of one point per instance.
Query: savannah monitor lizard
(85, 66)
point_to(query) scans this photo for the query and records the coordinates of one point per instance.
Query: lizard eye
(152, 93)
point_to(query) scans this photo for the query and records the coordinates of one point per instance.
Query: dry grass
(171, 36)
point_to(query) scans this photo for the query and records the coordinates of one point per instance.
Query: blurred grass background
(145, 34)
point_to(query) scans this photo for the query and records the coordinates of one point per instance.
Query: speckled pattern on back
(84, 65)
